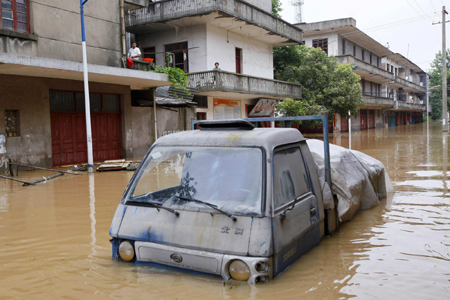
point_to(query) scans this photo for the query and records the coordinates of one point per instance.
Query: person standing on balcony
(216, 67)
(134, 52)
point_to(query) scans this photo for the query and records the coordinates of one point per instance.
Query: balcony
(379, 99)
(410, 102)
(411, 86)
(212, 82)
(366, 70)
(276, 31)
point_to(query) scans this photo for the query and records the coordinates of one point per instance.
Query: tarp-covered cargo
(358, 180)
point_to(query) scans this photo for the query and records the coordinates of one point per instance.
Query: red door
(371, 119)
(69, 145)
(238, 61)
(363, 120)
(344, 125)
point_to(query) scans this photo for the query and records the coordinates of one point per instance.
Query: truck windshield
(229, 178)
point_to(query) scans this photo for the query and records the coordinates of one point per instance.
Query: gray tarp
(358, 180)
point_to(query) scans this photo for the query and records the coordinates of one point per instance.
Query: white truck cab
(228, 199)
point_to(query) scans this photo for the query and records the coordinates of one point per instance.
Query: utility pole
(444, 72)
(87, 105)
(444, 75)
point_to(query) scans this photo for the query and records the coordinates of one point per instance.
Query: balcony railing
(365, 66)
(166, 10)
(410, 84)
(232, 82)
(141, 65)
(379, 99)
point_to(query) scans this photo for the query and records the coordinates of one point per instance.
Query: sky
(405, 24)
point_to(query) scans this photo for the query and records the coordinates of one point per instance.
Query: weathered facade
(240, 35)
(394, 88)
(42, 92)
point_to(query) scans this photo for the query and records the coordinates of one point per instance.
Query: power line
(421, 8)
(415, 10)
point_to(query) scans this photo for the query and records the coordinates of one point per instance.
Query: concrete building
(238, 34)
(41, 84)
(395, 89)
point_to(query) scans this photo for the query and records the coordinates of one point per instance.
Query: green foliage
(327, 86)
(436, 85)
(276, 8)
(177, 76)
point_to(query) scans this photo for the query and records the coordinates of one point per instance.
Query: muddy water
(54, 238)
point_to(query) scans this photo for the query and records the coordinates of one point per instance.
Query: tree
(276, 8)
(327, 85)
(436, 85)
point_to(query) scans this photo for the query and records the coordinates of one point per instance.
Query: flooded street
(54, 240)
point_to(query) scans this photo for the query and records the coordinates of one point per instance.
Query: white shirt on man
(133, 52)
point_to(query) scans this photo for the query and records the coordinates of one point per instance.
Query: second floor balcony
(248, 20)
(410, 86)
(366, 70)
(216, 82)
(381, 99)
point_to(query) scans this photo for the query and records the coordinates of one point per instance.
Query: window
(74, 101)
(238, 61)
(323, 44)
(12, 126)
(370, 58)
(378, 62)
(150, 53)
(343, 46)
(354, 50)
(202, 101)
(290, 178)
(14, 15)
(363, 54)
(388, 67)
(180, 55)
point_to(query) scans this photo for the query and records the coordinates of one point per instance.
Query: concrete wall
(257, 56)
(358, 51)
(170, 120)
(333, 48)
(263, 4)
(195, 36)
(30, 96)
(56, 32)
(209, 44)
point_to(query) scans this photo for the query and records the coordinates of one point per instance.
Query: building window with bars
(15, 15)
(322, 44)
(12, 126)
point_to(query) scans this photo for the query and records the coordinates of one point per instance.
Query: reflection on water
(54, 237)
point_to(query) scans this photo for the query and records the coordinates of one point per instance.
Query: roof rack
(225, 125)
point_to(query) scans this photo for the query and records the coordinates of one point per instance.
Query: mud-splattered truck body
(229, 199)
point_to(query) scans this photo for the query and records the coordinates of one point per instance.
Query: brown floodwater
(54, 240)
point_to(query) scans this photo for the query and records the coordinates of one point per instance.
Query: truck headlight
(239, 270)
(126, 251)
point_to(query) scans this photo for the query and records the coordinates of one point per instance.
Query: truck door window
(290, 179)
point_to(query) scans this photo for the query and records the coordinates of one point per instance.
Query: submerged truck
(228, 199)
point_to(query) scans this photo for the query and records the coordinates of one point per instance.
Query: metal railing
(173, 9)
(240, 83)
(362, 65)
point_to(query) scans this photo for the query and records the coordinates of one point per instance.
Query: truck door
(296, 220)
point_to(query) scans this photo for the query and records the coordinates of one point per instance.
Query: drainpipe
(154, 113)
(122, 25)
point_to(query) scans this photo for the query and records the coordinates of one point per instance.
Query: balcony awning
(20, 65)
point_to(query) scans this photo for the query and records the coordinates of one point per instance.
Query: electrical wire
(422, 9)
(416, 10)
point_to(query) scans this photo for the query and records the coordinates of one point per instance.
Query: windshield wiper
(151, 204)
(210, 205)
